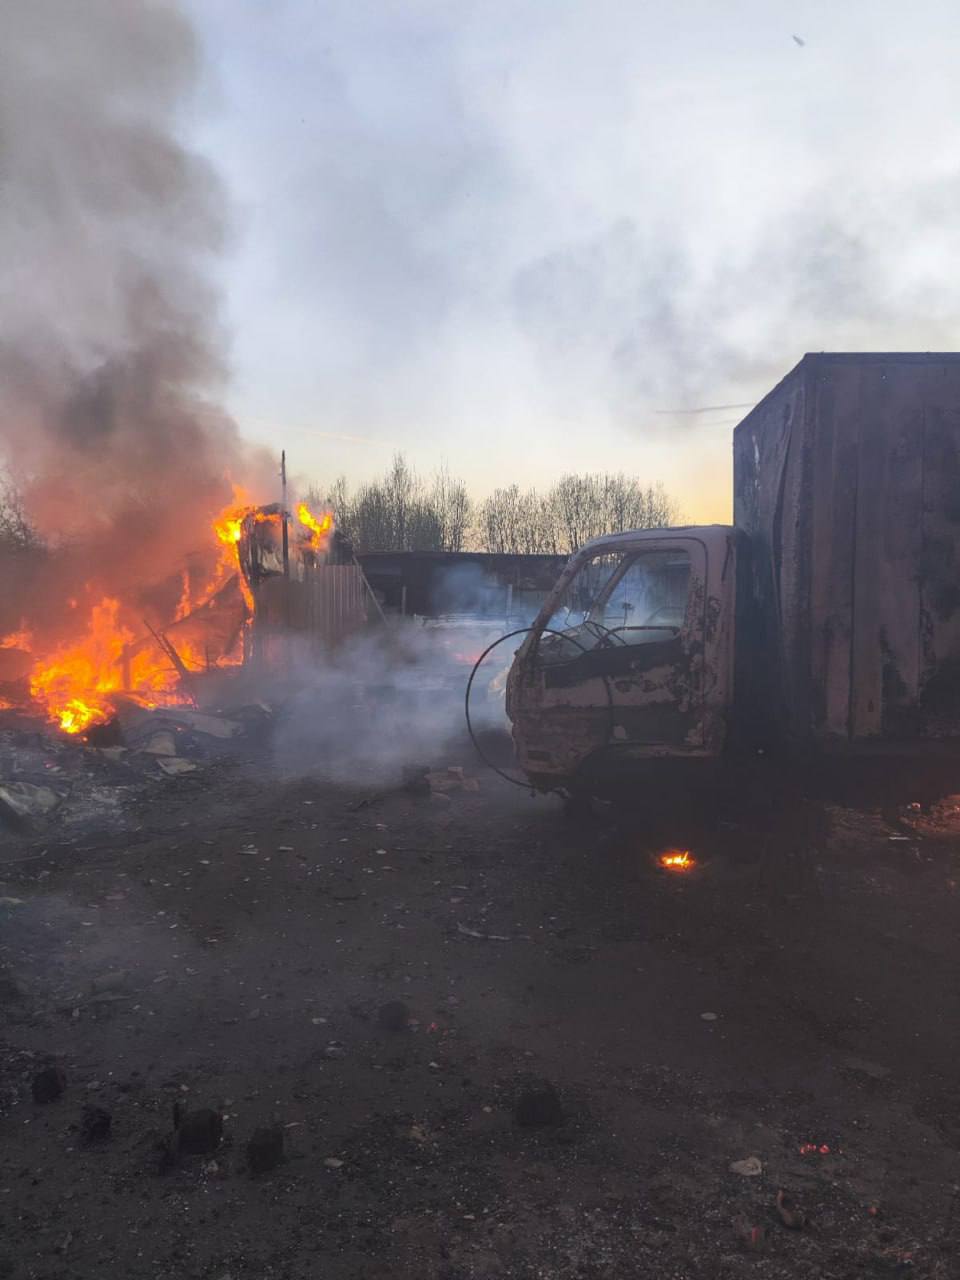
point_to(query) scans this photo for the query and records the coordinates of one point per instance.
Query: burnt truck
(825, 620)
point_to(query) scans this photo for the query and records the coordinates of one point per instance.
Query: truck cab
(630, 656)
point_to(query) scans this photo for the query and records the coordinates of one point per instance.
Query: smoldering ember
(438, 879)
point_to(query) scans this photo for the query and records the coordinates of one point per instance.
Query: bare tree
(402, 513)
(576, 509)
(16, 531)
(451, 503)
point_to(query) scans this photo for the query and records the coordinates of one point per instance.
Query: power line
(707, 408)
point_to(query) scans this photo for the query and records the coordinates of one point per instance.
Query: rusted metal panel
(939, 568)
(765, 486)
(835, 404)
(847, 478)
(885, 658)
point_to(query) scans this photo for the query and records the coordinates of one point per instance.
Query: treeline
(403, 512)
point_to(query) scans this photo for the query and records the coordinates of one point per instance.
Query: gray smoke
(111, 356)
(391, 699)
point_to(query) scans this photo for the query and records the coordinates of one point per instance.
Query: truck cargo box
(847, 487)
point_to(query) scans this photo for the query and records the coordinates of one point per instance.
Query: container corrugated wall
(847, 480)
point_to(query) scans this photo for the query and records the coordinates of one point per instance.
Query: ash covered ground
(491, 1041)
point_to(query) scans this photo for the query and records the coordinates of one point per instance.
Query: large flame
(319, 528)
(76, 682)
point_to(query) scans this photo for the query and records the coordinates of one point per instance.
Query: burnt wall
(475, 583)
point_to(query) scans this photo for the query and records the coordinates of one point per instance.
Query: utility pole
(283, 503)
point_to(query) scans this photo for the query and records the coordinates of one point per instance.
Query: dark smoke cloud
(110, 348)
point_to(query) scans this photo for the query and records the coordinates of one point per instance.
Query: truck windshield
(624, 598)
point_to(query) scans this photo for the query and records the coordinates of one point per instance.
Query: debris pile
(49, 777)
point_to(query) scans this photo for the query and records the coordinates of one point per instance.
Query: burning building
(149, 563)
(212, 626)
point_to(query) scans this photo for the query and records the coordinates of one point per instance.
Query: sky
(526, 237)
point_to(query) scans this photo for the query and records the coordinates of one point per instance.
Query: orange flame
(75, 682)
(677, 860)
(320, 527)
(22, 639)
(184, 605)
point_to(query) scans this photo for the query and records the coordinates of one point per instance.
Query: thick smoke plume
(110, 350)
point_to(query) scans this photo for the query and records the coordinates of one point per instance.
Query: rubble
(201, 722)
(176, 766)
(265, 1149)
(789, 1213)
(538, 1106)
(95, 1126)
(27, 800)
(393, 1016)
(48, 776)
(438, 784)
(862, 1067)
(48, 1084)
(196, 1133)
(414, 780)
(748, 1168)
(752, 1236)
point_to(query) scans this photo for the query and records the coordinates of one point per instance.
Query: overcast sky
(509, 234)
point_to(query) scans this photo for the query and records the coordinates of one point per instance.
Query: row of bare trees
(577, 508)
(403, 512)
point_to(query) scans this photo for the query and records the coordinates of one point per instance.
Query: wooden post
(283, 503)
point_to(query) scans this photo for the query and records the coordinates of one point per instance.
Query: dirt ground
(794, 998)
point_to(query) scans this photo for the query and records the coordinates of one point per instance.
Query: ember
(677, 860)
(813, 1149)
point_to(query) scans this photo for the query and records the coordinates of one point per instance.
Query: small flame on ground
(814, 1149)
(677, 860)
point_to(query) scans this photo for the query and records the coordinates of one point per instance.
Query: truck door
(616, 659)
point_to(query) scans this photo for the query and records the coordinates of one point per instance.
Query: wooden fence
(318, 612)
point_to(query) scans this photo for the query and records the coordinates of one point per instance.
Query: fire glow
(21, 639)
(319, 528)
(677, 860)
(115, 651)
